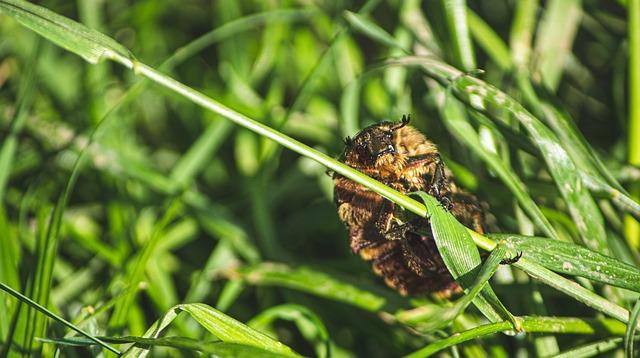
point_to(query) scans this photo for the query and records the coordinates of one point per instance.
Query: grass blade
(361, 24)
(216, 349)
(89, 44)
(454, 119)
(528, 324)
(571, 259)
(592, 349)
(521, 32)
(555, 38)
(455, 12)
(429, 318)
(309, 324)
(485, 98)
(311, 281)
(55, 317)
(490, 42)
(632, 326)
(220, 325)
(632, 226)
(461, 257)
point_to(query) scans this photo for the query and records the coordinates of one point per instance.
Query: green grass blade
(528, 324)
(216, 349)
(594, 349)
(554, 39)
(455, 13)
(412, 205)
(135, 273)
(461, 257)
(309, 324)
(200, 153)
(454, 119)
(25, 99)
(232, 28)
(632, 227)
(430, 317)
(632, 326)
(490, 42)
(360, 23)
(310, 281)
(571, 259)
(89, 44)
(55, 317)
(521, 33)
(220, 325)
(484, 98)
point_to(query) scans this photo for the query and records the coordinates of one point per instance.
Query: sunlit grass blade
(572, 259)
(632, 226)
(449, 21)
(529, 324)
(54, 316)
(554, 39)
(431, 317)
(225, 328)
(522, 29)
(311, 281)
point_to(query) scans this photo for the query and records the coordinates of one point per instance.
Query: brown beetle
(401, 157)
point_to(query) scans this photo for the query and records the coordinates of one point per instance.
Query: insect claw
(406, 118)
(348, 140)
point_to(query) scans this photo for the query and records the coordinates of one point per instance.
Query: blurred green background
(176, 204)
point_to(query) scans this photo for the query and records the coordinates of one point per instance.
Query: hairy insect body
(401, 157)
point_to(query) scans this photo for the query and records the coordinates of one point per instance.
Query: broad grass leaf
(432, 317)
(89, 44)
(226, 328)
(575, 260)
(461, 256)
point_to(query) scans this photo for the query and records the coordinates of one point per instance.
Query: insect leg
(511, 260)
